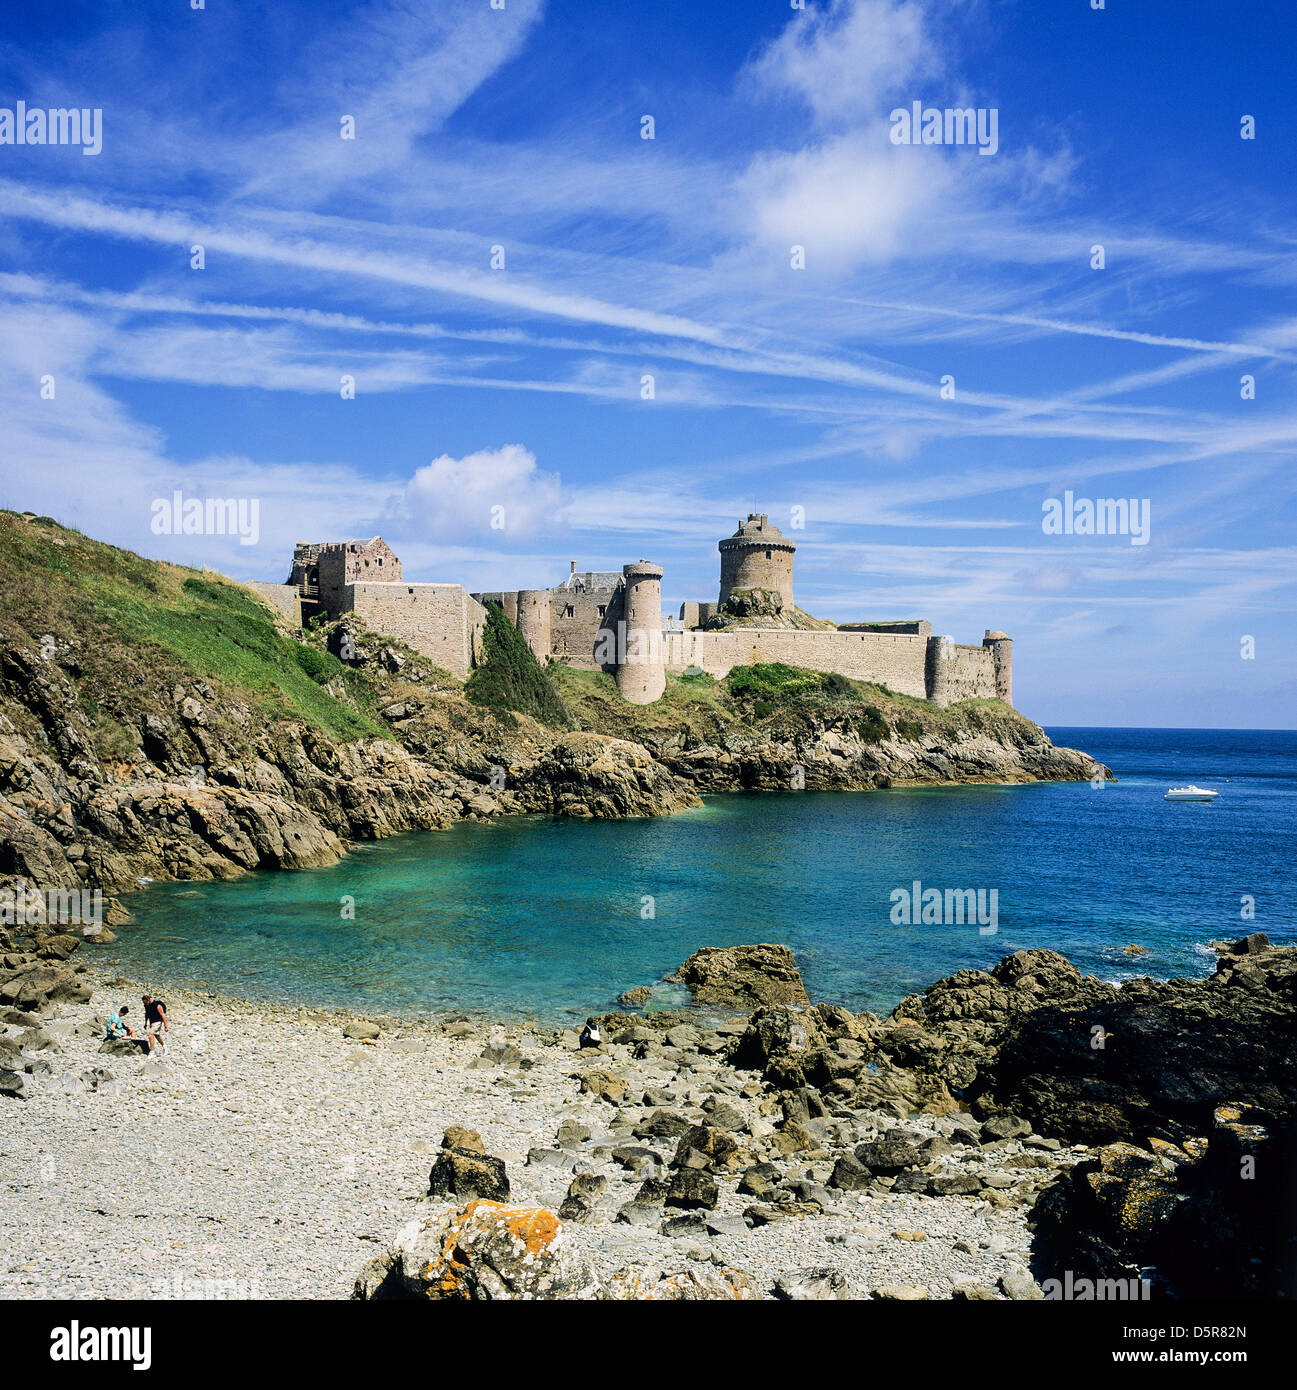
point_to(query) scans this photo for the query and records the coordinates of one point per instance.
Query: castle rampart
(440, 621)
(896, 660)
(605, 620)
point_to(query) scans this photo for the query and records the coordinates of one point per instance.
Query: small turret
(641, 666)
(1001, 647)
(535, 621)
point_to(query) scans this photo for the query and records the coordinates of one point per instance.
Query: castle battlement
(612, 621)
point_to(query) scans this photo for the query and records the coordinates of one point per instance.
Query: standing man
(155, 1022)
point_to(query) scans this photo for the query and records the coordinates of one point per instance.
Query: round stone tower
(534, 622)
(1001, 648)
(641, 668)
(757, 556)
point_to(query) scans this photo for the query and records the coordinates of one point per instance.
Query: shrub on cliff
(776, 682)
(510, 680)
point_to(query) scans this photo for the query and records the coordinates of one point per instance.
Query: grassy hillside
(138, 623)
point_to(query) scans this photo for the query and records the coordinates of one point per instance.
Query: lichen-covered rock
(1204, 1217)
(484, 1251)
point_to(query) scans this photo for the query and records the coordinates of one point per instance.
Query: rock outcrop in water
(741, 976)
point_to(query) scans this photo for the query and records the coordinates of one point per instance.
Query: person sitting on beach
(117, 1025)
(590, 1036)
(155, 1022)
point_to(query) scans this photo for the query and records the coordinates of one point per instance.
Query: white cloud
(453, 498)
(853, 198)
(844, 59)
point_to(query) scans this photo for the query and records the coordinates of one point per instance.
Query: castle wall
(575, 622)
(508, 601)
(440, 621)
(896, 660)
(284, 597)
(957, 672)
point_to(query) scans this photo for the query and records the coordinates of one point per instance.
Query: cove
(535, 917)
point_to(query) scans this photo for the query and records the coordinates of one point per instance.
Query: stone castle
(612, 621)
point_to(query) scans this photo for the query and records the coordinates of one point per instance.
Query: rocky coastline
(161, 724)
(788, 1150)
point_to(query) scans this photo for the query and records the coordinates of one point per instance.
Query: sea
(536, 917)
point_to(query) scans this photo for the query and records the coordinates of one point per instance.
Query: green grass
(776, 683)
(139, 622)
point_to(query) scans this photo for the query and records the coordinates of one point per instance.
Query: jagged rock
(716, 1149)
(791, 1138)
(743, 976)
(464, 1173)
(1170, 1052)
(811, 1285)
(633, 997)
(36, 986)
(571, 1135)
(457, 1137)
(603, 1085)
(636, 1158)
(1205, 1215)
(661, 1124)
(1005, 1127)
(777, 1041)
(891, 1153)
(849, 1175)
(692, 1188)
(582, 1194)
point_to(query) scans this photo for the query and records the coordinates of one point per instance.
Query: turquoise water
(537, 917)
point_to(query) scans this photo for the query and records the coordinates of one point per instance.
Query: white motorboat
(1190, 793)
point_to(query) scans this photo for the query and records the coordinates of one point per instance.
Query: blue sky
(774, 388)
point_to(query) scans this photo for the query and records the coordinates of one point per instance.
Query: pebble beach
(267, 1155)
